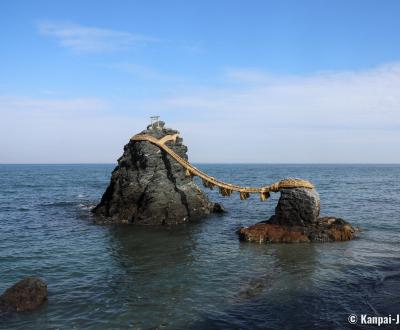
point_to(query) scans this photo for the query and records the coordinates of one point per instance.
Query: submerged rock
(297, 220)
(149, 187)
(26, 295)
(218, 208)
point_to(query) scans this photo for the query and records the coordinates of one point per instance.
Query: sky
(243, 81)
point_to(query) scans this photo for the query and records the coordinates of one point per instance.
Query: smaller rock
(297, 207)
(253, 289)
(326, 229)
(331, 229)
(265, 232)
(26, 295)
(218, 208)
(296, 220)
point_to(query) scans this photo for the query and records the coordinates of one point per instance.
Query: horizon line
(215, 163)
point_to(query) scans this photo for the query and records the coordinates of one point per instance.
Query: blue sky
(281, 81)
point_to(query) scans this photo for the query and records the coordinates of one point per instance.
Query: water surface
(198, 276)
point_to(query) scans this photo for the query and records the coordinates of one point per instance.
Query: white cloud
(324, 117)
(255, 117)
(81, 39)
(347, 100)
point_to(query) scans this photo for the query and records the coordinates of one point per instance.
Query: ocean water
(198, 276)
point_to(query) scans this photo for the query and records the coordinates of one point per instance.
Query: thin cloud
(142, 71)
(353, 100)
(351, 116)
(78, 130)
(86, 39)
(14, 104)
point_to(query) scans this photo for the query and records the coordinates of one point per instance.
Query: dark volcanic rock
(26, 295)
(149, 187)
(299, 206)
(296, 220)
(218, 208)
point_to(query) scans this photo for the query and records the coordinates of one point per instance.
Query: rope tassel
(264, 195)
(225, 191)
(208, 184)
(244, 195)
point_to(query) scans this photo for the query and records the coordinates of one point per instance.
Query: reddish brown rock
(271, 233)
(326, 229)
(26, 295)
(333, 229)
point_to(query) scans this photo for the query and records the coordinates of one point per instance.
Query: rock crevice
(173, 180)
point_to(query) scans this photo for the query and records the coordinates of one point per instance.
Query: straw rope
(225, 189)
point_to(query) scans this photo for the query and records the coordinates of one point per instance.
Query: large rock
(26, 295)
(149, 187)
(296, 220)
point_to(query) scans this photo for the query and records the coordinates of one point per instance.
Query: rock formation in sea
(296, 219)
(148, 187)
(26, 295)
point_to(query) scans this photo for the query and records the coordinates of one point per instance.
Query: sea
(199, 275)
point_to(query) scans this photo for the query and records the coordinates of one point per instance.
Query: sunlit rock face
(296, 220)
(148, 187)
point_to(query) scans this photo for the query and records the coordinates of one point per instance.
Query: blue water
(198, 276)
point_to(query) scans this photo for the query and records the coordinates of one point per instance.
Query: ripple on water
(197, 276)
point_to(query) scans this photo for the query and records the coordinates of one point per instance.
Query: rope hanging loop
(225, 189)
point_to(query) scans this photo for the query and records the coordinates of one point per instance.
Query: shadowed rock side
(149, 187)
(297, 220)
(26, 295)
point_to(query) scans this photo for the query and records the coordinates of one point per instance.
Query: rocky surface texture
(149, 187)
(26, 295)
(297, 220)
